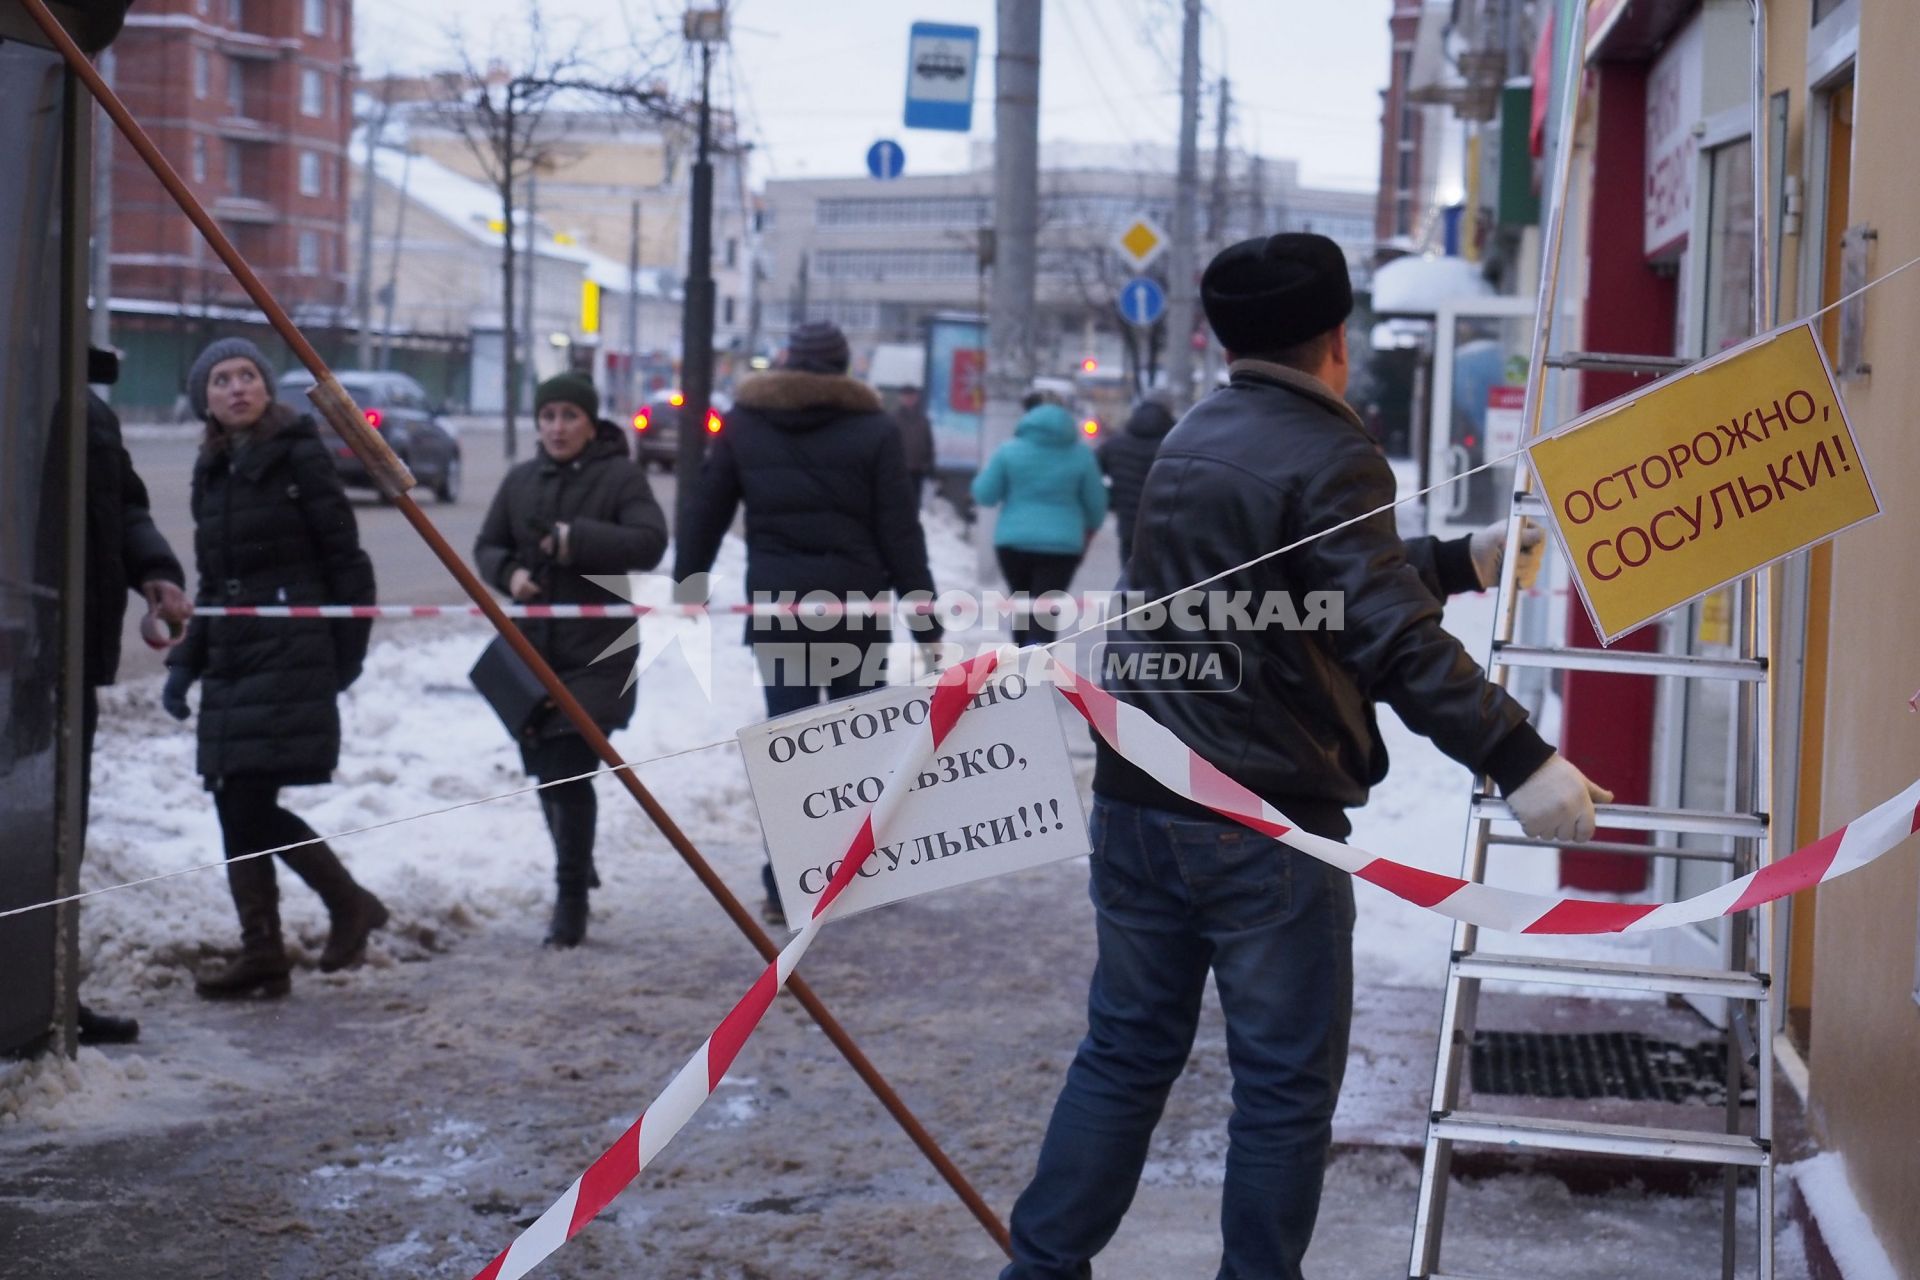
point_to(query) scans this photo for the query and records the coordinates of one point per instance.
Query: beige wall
(1866, 1026)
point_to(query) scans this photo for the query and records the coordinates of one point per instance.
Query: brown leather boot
(352, 912)
(260, 971)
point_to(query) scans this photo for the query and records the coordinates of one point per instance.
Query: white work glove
(1556, 803)
(1489, 547)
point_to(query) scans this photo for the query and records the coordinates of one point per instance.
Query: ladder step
(1730, 984)
(1629, 662)
(1699, 1146)
(1608, 362)
(1641, 817)
(1617, 846)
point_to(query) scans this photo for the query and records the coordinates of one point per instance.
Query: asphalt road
(406, 570)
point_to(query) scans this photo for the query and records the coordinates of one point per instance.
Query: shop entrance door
(1475, 413)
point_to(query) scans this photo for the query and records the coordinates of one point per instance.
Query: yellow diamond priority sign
(1141, 242)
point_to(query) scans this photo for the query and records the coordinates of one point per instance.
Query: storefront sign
(998, 795)
(1506, 419)
(1673, 109)
(1705, 478)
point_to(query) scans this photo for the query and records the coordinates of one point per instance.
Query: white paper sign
(997, 796)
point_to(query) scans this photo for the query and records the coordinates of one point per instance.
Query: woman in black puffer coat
(580, 507)
(272, 526)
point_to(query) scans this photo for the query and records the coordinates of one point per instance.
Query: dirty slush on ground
(408, 1120)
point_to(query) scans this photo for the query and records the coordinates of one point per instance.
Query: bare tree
(512, 115)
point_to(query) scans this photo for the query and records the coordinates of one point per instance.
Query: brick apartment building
(251, 100)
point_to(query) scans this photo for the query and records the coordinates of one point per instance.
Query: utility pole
(375, 136)
(1016, 215)
(627, 403)
(531, 376)
(1217, 217)
(708, 27)
(100, 321)
(1182, 261)
(509, 353)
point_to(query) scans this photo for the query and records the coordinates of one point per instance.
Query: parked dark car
(656, 427)
(399, 409)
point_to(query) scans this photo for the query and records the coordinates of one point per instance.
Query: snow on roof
(474, 208)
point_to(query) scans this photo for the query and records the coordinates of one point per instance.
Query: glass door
(1476, 412)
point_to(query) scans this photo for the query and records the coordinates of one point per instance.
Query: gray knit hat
(223, 349)
(818, 346)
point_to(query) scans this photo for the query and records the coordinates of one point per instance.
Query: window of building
(235, 172)
(733, 253)
(309, 173)
(726, 312)
(313, 92)
(314, 14)
(1821, 8)
(902, 211)
(1403, 174)
(202, 73)
(236, 13)
(199, 158)
(895, 264)
(236, 87)
(201, 6)
(1729, 286)
(310, 253)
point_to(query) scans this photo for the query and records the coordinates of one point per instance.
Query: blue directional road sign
(885, 159)
(1142, 301)
(941, 60)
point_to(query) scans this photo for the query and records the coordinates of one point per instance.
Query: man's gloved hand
(1556, 803)
(1489, 547)
(174, 695)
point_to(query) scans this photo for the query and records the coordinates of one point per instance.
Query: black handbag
(509, 686)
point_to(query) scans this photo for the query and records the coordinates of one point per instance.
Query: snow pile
(1844, 1225)
(57, 1092)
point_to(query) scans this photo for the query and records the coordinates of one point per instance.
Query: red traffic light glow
(642, 420)
(714, 422)
(1089, 365)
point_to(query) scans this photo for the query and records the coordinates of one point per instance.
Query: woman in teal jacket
(1054, 501)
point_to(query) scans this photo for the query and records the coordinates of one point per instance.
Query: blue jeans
(1175, 897)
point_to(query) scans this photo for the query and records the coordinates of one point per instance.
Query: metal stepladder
(1743, 830)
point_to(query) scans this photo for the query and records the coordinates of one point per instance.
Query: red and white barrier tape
(1154, 748)
(399, 612)
(621, 1163)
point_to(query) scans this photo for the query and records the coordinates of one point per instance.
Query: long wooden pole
(394, 480)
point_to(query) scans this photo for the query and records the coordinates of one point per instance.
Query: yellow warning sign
(1703, 479)
(1141, 242)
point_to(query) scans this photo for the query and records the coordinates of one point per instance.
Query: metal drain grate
(1604, 1064)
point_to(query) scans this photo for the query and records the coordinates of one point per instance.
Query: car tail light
(714, 422)
(1091, 426)
(642, 420)
(373, 418)
(676, 399)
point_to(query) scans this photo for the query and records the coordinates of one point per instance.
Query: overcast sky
(817, 81)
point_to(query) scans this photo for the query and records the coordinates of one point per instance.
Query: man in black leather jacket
(1273, 458)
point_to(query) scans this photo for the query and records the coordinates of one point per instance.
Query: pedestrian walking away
(1052, 499)
(1125, 459)
(916, 442)
(271, 526)
(578, 508)
(818, 465)
(1273, 458)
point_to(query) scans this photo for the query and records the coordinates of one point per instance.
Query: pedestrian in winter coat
(1125, 458)
(817, 463)
(126, 552)
(1054, 501)
(1274, 458)
(271, 526)
(916, 441)
(579, 507)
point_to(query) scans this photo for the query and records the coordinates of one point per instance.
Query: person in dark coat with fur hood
(818, 465)
(272, 526)
(578, 508)
(1125, 459)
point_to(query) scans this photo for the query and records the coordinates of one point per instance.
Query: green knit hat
(573, 388)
